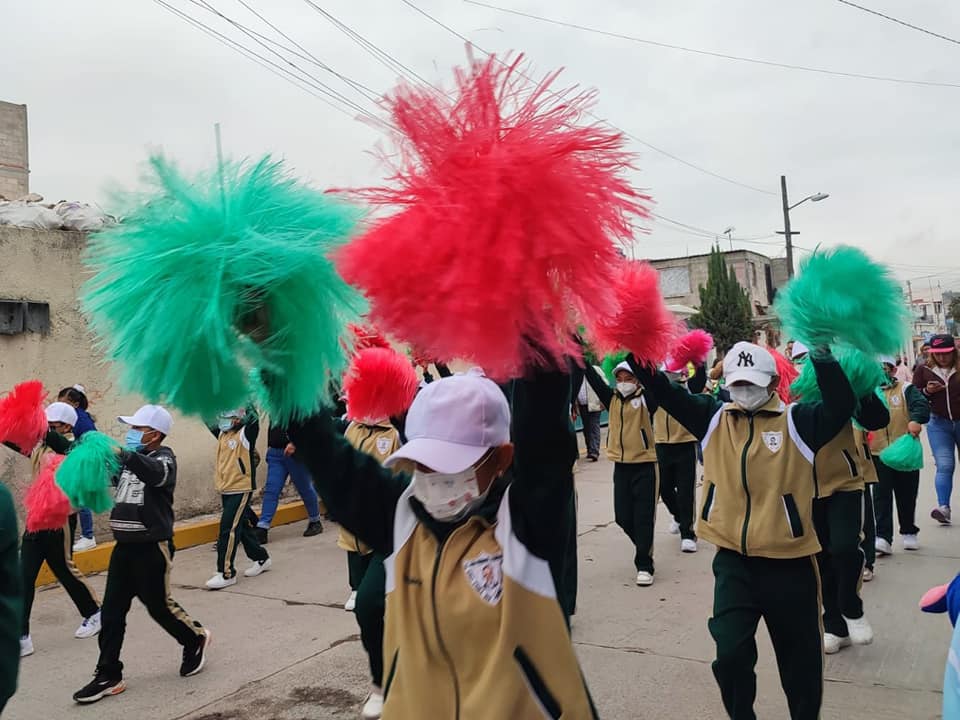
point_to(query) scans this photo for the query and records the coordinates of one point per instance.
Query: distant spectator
(281, 465)
(589, 407)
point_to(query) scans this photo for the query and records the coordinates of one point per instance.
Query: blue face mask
(225, 424)
(133, 439)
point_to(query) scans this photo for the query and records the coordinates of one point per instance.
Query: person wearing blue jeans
(280, 466)
(939, 381)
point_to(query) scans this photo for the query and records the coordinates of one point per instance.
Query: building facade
(14, 154)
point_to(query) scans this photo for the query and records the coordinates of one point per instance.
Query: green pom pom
(841, 296)
(84, 475)
(610, 362)
(243, 245)
(864, 372)
(903, 454)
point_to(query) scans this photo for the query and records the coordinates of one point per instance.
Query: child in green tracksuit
(236, 432)
(630, 445)
(757, 510)
(909, 411)
(677, 461)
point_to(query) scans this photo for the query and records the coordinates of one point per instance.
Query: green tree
(953, 310)
(724, 306)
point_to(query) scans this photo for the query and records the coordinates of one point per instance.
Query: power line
(710, 53)
(319, 84)
(382, 56)
(633, 137)
(260, 60)
(900, 22)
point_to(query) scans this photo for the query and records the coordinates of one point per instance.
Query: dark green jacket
(11, 598)
(816, 423)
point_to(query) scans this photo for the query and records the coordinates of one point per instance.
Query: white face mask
(626, 388)
(448, 497)
(749, 397)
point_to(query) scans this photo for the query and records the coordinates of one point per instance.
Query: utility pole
(913, 322)
(787, 234)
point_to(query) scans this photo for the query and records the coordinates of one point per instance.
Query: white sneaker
(941, 514)
(84, 543)
(351, 602)
(910, 542)
(644, 579)
(219, 582)
(832, 643)
(883, 547)
(26, 646)
(373, 707)
(860, 631)
(258, 568)
(688, 546)
(89, 627)
(868, 574)
(674, 527)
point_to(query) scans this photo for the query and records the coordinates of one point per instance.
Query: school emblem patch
(232, 444)
(636, 403)
(383, 445)
(896, 400)
(773, 440)
(485, 573)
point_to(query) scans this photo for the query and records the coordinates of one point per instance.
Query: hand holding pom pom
(691, 348)
(84, 476)
(22, 420)
(47, 506)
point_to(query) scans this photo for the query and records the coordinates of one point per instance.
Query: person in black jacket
(142, 524)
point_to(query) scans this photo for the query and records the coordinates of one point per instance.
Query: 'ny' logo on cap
(745, 359)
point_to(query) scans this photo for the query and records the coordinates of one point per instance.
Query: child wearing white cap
(756, 508)
(473, 626)
(142, 523)
(631, 447)
(53, 546)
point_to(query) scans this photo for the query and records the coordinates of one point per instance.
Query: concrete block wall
(44, 266)
(14, 150)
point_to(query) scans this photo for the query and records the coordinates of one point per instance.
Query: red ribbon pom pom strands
(506, 218)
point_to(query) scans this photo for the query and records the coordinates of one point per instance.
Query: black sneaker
(195, 656)
(261, 534)
(314, 527)
(101, 687)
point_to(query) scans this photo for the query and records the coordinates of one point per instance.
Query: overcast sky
(107, 81)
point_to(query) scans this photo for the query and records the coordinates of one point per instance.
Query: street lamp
(787, 207)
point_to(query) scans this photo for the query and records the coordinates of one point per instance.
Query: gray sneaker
(941, 514)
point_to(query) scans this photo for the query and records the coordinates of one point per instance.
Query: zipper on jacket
(623, 450)
(436, 626)
(746, 490)
(667, 424)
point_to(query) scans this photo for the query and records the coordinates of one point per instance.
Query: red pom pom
(47, 506)
(23, 421)
(379, 384)
(787, 372)
(643, 325)
(691, 348)
(508, 213)
(367, 337)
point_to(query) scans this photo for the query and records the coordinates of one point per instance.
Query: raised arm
(598, 384)
(694, 412)
(818, 423)
(156, 470)
(545, 451)
(357, 490)
(872, 413)
(698, 382)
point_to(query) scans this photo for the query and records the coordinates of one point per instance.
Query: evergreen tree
(724, 306)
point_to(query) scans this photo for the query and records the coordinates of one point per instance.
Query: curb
(185, 535)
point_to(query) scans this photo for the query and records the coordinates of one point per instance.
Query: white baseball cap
(750, 363)
(61, 412)
(798, 350)
(151, 416)
(623, 366)
(888, 359)
(454, 421)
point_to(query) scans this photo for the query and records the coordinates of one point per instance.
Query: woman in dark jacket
(939, 381)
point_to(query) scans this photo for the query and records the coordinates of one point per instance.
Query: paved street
(285, 650)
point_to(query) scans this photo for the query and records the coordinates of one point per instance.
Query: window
(19, 316)
(674, 281)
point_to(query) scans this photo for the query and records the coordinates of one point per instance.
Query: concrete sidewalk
(283, 648)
